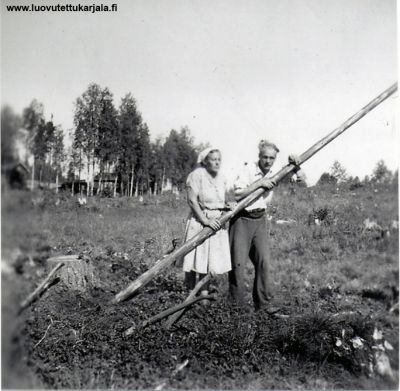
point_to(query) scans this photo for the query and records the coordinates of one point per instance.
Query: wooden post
(206, 232)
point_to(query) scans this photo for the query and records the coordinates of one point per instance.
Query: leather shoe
(270, 310)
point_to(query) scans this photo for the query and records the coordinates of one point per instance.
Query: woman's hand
(213, 223)
(231, 205)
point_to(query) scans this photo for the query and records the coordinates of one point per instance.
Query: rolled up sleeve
(193, 182)
(301, 177)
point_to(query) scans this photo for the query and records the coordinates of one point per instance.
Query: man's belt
(253, 214)
(224, 209)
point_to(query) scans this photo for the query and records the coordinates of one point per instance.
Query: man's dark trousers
(249, 238)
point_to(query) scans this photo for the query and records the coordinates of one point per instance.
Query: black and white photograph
(199, 194)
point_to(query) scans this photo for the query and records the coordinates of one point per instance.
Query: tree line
(111, 147)
(338, 174)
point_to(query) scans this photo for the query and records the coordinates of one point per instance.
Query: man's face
(267, 158)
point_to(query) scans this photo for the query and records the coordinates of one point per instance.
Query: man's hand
(213, 223)
(267, 184)
(294, 159)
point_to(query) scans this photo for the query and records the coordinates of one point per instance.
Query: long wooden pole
(206, 232)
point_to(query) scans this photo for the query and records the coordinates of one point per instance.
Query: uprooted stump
(77, 274)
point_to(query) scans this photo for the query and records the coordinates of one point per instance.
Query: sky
(233, 71)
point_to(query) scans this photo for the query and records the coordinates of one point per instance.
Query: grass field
(336, 282)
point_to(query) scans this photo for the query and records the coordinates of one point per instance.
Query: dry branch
(168, 312)
(206, 232)
(45, 333)
(173, 374)
(174, 317)
(46, 283)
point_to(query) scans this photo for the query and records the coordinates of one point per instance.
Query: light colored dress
(213, 255)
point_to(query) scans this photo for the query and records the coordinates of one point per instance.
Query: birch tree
(58, 153)
(130, 120)
(33, 122)
(106, 151)
(87, 116)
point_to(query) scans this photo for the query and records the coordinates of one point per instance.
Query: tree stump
(77, 274)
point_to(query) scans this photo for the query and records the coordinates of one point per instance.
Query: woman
(206, 190)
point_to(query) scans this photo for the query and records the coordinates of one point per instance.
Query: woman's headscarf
(203, 154)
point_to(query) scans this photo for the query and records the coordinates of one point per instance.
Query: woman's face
(212, 162)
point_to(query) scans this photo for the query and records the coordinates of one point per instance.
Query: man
(248, 232)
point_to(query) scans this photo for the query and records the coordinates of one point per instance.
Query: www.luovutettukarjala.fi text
(63, 8)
